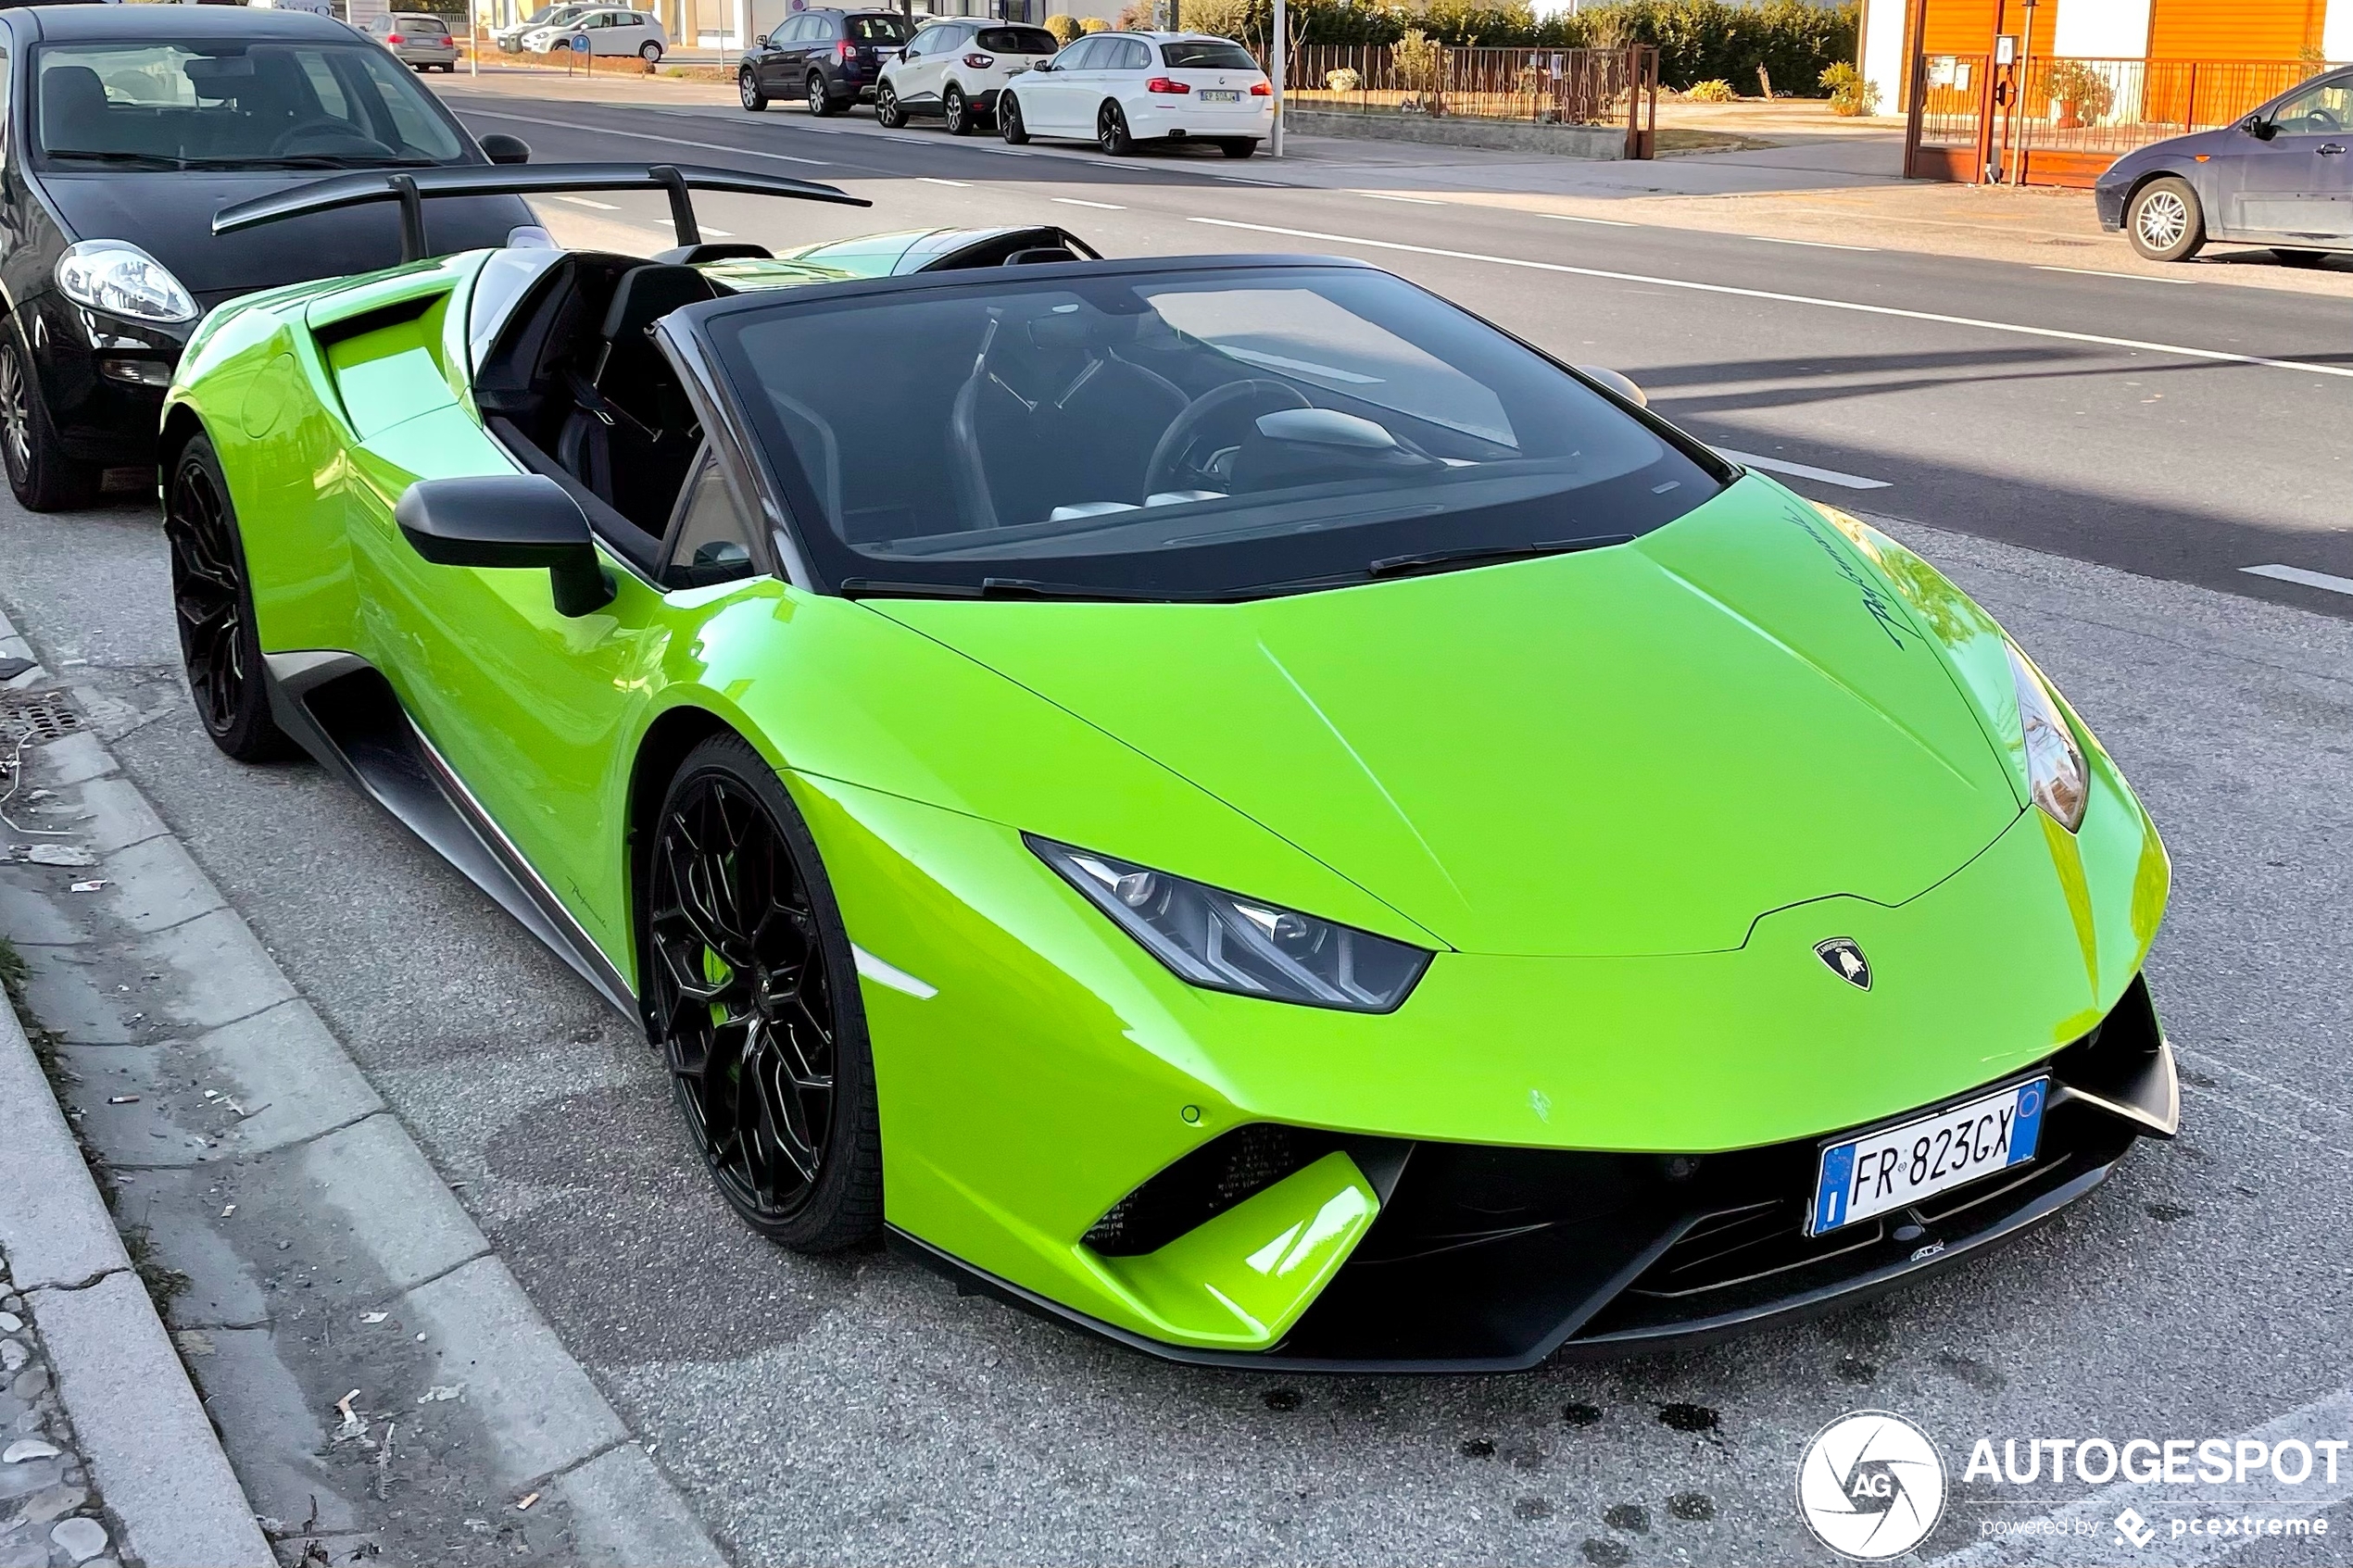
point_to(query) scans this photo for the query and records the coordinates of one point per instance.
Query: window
(1017, 41)
(1080, 55)
(804, 29)
(219, 104)
(2324, 108)
(1134, 54)
(879, 30)
(627, 18)
(429, 26)
(709, 546)
(1206, 53)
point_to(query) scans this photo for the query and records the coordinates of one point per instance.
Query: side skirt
(342, 711)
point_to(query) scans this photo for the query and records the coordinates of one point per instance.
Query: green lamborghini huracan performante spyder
(1221, 799)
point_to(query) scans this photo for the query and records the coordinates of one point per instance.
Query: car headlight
(119, 278)
(1224, 942)
(2056, 776)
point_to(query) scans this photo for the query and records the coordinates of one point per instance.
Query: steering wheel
(339, 136)
(2321, 122)
(1233, 406)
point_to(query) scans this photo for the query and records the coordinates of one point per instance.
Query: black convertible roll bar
(409, 187)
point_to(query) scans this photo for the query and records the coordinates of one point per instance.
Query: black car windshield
(1206, 53)
(243, 105)
(880, 30)
(1208, 432)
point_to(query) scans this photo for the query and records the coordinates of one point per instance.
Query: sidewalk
(1822, 182)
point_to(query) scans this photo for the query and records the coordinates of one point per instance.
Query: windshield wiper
(150, 160)
(1395, 566)
(310, 160)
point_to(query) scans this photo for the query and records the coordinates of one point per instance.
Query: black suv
(830, 59)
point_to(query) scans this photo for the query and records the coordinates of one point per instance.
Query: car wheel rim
(15, 415)
(742, 997)
(745, 90)
(816, 96)
(954, 108)
(2164, 219)
(1107, 130)
(208, 597)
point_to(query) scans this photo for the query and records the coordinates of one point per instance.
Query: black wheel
(2301, 258)
(2165, 221)
(887, 112)
(748, 90)
(1009, 123)
(957, 110)
(1111, 131)
(40, 474)
(1238, 146)
(820, 101)
(752, 992)
(214, 609)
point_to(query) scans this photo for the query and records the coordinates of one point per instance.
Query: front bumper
(1486, 1258)
(102, 378)
(2108, 197)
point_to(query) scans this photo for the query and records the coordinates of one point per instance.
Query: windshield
(880, 30)
(1017, 41)
(1197, 433)
(187, 106)
(1206, 53)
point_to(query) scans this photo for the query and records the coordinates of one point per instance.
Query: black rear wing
(409, 187)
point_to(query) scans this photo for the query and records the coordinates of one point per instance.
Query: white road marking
(584, 201)
(1604, 222)
(1073, 201)
(1805, 470)
(2218, 355)
(1238, 178)
(1811, 245)
(639, 136)
(935, 180)
(2297, 575)
(710, 232)
(1384, 197)
(2095, 272)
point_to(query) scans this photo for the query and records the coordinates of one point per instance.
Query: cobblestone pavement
(50, 1516)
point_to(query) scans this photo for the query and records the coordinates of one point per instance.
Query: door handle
(2332, 149)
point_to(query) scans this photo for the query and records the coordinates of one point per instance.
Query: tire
(956, 111)
(1009, 125)
(747, 91)
(752, 991)
(41, 475)
(650, 51)
(212, 600)
(888, 113)
(1238, 146)
(2165, 221)
(821, 102)
(2300, 257)
(1111, 131)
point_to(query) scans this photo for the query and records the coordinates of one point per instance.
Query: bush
(1420, 63)
(1851, 93)
(1225, 19)
(1343, 80)
(1093, 24)
(1716, 92)
(2084, 90)
(1065, 29)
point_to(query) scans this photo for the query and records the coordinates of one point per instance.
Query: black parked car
(2283, 176)
(127, 128)
(828, 59)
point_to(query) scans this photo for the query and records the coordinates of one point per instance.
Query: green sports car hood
(1633, 750)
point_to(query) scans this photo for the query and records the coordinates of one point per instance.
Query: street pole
(473, 37)
(1281, 62)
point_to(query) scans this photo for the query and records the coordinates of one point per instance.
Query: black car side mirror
(511, 519)
(500, 147)
(2257, 127)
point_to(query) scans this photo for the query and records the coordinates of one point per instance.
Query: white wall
(2336, 31)
(2107, 29)
(1883, 62)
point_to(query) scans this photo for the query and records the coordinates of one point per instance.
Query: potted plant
(2080, 95)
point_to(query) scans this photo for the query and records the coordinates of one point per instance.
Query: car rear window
(433, 25)
(1018, 40)
(880, 30)
(1206, 53)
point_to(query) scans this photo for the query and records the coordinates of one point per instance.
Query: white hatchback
(1118, 89)
(610, 29)
(956, 69)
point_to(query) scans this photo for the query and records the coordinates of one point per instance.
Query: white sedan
(610, 29)
(1122, 88)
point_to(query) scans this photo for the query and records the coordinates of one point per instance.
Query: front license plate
(1887, 1169)
(1211, 95)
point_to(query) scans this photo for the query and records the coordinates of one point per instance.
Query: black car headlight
(1225, 942)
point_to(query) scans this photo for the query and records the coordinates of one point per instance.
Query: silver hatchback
(420, 40)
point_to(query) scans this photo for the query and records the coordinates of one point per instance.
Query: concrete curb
(397, 1224)
(149, 1446)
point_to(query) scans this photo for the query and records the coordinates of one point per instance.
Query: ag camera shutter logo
(1871, 1486)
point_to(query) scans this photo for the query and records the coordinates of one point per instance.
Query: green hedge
(1697, 40)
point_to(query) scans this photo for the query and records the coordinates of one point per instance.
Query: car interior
(264, 102)
(575, 387)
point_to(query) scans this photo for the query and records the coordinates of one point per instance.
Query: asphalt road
(859, 1410)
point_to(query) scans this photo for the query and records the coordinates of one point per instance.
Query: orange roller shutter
(2233, 30)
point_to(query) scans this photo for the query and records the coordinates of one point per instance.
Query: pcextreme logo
(1870, 1485)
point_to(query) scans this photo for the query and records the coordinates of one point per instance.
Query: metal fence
(1543, 86)
(2096, 106)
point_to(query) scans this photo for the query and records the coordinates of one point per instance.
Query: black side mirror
(510, 519)
(2257, 127)
(500, 147)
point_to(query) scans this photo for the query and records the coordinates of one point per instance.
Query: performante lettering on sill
(1881, 608)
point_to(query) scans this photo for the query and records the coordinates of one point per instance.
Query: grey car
(420, 40)
(2282, 176)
